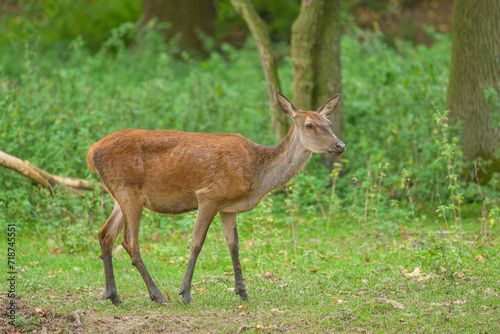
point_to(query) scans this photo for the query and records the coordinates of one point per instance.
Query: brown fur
(173, 172)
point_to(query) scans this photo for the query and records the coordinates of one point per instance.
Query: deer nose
(340, 146)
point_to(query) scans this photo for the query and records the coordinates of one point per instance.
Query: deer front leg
(203, 220)
(130, 241)
(228, 220)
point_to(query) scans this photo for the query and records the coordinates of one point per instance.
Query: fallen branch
(45, 179)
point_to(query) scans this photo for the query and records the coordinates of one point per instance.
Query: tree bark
(44, 178)
(316, 59)
(185, 17)
(475, 66)
(261, 36)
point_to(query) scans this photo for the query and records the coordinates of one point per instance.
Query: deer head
(313, 127)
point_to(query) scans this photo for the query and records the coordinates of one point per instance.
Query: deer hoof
(158, 298)
(186, 298)
(114, 298)
(243, 294)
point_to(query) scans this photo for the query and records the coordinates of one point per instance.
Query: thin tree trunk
(261, 36)
(304, 38)
(328, 77)
(316, 60)
(475, 66)
(185, 17)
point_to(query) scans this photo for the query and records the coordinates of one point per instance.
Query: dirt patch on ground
(29, 318)
(38, 320)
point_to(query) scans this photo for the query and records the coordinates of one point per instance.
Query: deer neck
(282, 162)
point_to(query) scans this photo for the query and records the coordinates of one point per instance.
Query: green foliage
(278, 15)
(59, 22)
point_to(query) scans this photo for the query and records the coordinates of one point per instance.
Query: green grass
(332, 285)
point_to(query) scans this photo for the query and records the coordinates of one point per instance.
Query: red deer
(174, 172)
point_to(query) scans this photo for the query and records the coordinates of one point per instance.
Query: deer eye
(309, 126)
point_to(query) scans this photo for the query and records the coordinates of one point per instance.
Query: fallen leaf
(265, 275)
(396, 304)
(40, 310)
(364, 280)
(259, 326)
(99, 322)
(242, 307)
(228, 273)
(302, 320)
(52, 297)
(168, 296)
(425, 278)
(313, 270)
(446, 303)
(416, 272)
(36, 263)
(321, 255)
(393, 303)
(479, 258)
(91, 309)
(55, 250)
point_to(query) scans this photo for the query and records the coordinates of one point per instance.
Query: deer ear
(328, 108)
(286, 106)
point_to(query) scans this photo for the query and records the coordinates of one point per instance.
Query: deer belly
(245, 204)
(171, 205)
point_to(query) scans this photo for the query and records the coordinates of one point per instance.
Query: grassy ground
(336, 284)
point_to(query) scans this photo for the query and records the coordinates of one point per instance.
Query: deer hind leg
(228, 220)
(132, 215)
(203, 220)
(107, 236)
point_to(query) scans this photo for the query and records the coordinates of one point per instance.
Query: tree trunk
(185, 17)
(475, 67)
(261, 36)
(316, 59)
